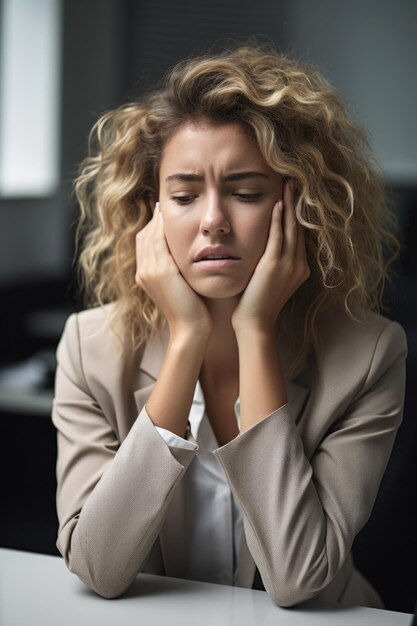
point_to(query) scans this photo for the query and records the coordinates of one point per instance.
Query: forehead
(199, 145)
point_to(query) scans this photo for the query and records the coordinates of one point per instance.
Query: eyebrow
(197, 177)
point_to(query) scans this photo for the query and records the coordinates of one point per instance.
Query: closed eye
(249, 197)
(183, 199)
(244, 197)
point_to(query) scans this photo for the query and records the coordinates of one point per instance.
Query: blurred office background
(63, 63)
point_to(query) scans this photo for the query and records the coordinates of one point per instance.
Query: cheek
(179, 238)
(258, 232)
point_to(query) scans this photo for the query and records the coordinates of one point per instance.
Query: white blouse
(214, 517)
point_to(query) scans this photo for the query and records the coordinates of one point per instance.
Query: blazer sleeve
(112, 497)
(301, 517)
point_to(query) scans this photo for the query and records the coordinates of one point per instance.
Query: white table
(37, 589)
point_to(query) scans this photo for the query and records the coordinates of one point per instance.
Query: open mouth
(217, 261)
(218, 257)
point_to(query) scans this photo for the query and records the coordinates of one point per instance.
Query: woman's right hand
(158, 275)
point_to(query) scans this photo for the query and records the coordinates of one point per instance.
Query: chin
(218, 292)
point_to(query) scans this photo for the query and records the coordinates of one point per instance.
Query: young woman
(227, 403)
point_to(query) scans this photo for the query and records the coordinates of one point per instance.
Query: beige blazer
(306, 476)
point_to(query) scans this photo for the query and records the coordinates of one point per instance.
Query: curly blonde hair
(304, 132)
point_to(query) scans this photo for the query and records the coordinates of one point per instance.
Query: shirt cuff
(174, 440)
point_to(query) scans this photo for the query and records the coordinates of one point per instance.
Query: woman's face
(216, 191)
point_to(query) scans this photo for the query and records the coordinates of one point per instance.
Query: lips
(215, 253)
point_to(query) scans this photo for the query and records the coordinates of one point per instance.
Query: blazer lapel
(149, 368)
(154, 353)
(142, 396)
(297, 396)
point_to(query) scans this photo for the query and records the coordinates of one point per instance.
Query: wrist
(255, 331)
(188, 337)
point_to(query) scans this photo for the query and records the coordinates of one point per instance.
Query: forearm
(261, 379)
(286, 528)
(106, 542)
(112, 496)
(170, 402)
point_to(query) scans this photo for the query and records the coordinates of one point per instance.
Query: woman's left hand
(280, 271)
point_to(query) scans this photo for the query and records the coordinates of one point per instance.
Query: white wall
(36, 234)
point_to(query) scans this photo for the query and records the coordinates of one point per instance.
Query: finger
(145, 243)
(158, 230)
(290, 224)
(301, 251)
(275, 237)
(162, 247)
(158, 239)
(156, 213)
(139, 257)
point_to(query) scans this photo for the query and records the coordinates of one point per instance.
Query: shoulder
(92, 320)
(353, 352)
(359, 362)
(88, 331)
(340, 332)
(88, 322)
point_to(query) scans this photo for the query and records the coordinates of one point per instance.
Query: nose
(214, 219)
